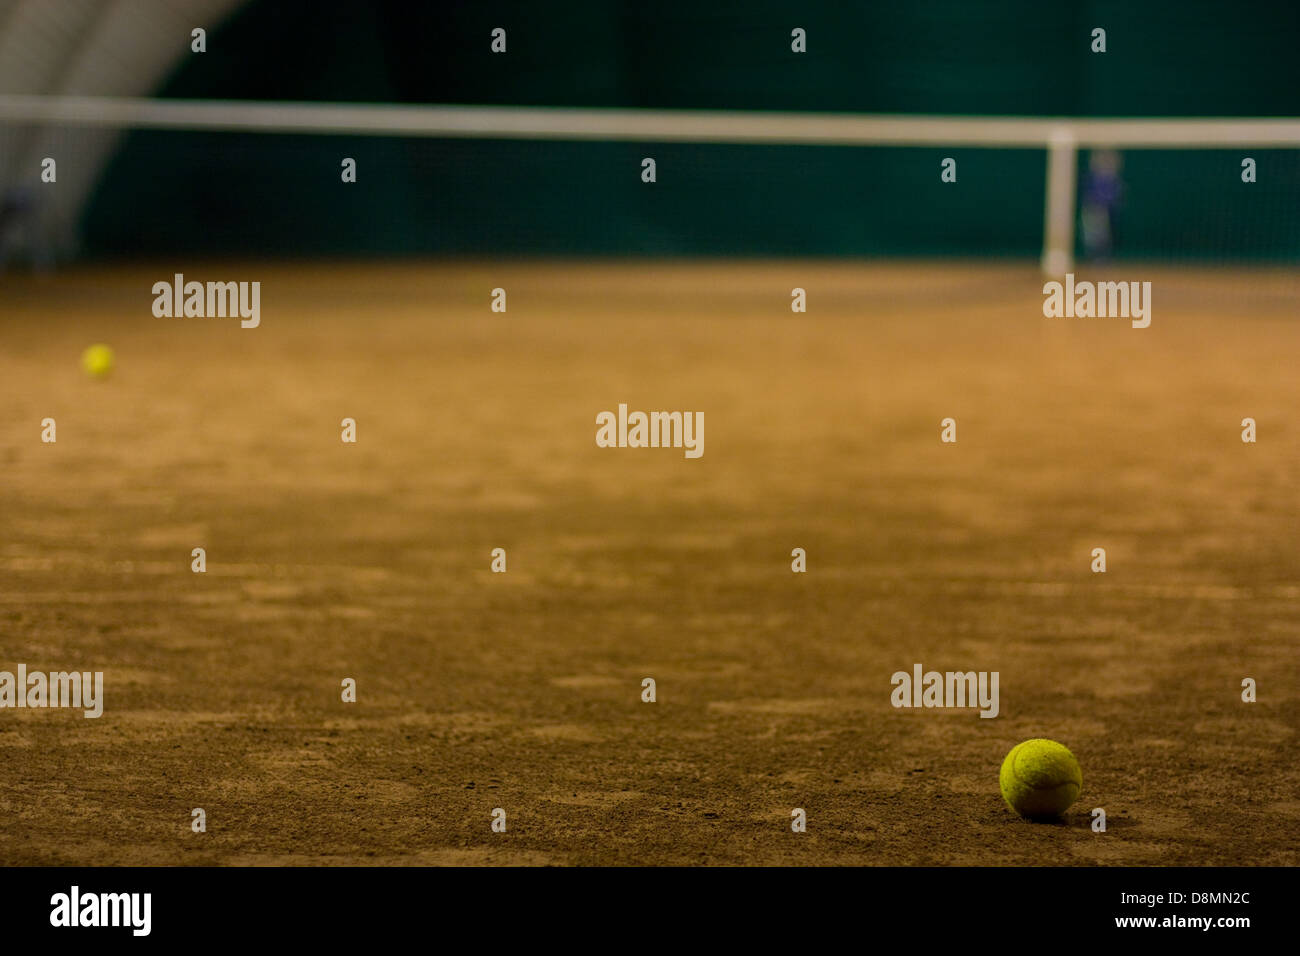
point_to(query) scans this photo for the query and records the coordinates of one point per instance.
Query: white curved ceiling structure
(91, 48)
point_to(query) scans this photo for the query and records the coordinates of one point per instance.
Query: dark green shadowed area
(272, 194)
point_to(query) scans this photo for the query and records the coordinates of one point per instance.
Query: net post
(1058, 220)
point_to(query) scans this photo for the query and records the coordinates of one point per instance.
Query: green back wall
(269, 194)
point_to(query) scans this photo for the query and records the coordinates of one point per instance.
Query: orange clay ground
(523, 690)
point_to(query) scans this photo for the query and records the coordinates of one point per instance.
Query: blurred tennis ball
(1040, 779)
(97, 361)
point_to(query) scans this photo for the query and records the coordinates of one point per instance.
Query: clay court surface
(522, 690)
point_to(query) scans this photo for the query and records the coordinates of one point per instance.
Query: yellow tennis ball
(97, 361)
(1040, 779)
